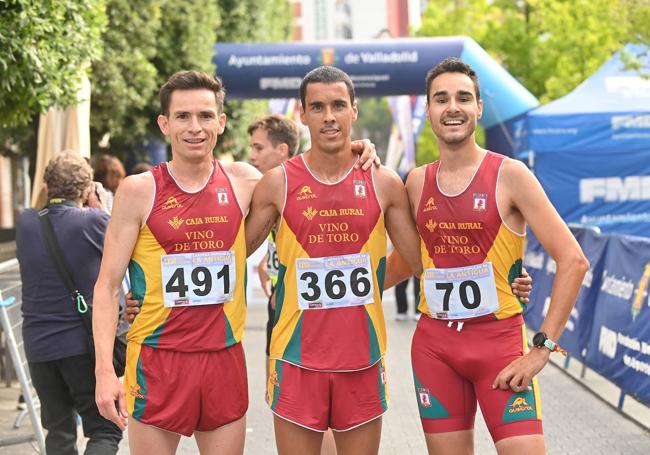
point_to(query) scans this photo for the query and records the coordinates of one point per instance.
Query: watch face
(539, 339)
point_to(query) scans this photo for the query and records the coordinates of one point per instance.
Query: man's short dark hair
(453, 65)
(325, 75)
(279, 129)
(191, 80)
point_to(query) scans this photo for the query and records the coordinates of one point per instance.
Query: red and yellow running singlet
(469, 256)
(331, 247)
(189, 267)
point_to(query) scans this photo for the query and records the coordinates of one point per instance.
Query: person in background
(55, 338)
(109, 171)
(273, 139)
(140, 167)
(402, 300)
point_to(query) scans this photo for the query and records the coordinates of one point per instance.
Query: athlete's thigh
(532, 444)
(145, 439)
(163, 388)
(299, 395)
(226, 440)
(224, 388)
(361, 440)
(293, 439)
(358, 397)
(446, 400)
(506, 413)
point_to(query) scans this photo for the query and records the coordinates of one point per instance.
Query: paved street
(575, 421)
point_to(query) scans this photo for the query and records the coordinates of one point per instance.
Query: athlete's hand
(96, 196)
(273, 301)
(519, 374)
(132, 307)
(108, 390)
(366, 149)
(522, 285)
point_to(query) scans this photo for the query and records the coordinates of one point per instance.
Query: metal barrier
(12, 321)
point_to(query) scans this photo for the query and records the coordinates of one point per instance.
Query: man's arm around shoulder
(400, 227)
(244, 177)
(265, 208)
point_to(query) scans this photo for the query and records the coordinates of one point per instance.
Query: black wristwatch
(540, 340)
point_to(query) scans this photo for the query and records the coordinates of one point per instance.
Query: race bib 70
(461, 292)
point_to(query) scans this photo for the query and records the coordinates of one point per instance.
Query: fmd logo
(612, 189)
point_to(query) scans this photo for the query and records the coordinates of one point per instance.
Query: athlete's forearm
(105, 315)
(397, 270)
(568, 277)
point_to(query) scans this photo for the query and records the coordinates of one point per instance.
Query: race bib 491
(191, 279)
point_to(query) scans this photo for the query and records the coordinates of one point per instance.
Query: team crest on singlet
(480, 202)
(222, 196)
(359, 188)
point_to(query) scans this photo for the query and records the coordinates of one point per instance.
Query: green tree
(549, 45)
(124, 80)
(249, 21)
(374, 122)
(43, 48)
(149, 40)
(156, 38)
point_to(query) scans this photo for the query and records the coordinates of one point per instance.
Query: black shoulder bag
(84, 309)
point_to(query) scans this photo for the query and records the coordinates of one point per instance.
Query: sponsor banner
(597, 132)
(619, 346)
(542, 268)
(612, 193)
(609, 327)
(377, 68)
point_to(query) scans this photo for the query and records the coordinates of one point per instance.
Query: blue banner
(609, 327)
(612, 193)
(377, 68)
(619, 346)
(542, 268)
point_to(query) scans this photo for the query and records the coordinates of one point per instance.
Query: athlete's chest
(202, 221)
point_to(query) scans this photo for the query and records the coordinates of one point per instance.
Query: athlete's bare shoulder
(386, 176)
(415, 179)
(271, 186)
(134, 198)
(137, 190)
(241, 170)
(389, 186)
(138, 184)
(414, 185)
(514, 173)
(244, 177)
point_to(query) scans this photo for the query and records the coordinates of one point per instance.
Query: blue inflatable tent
(591, 149)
